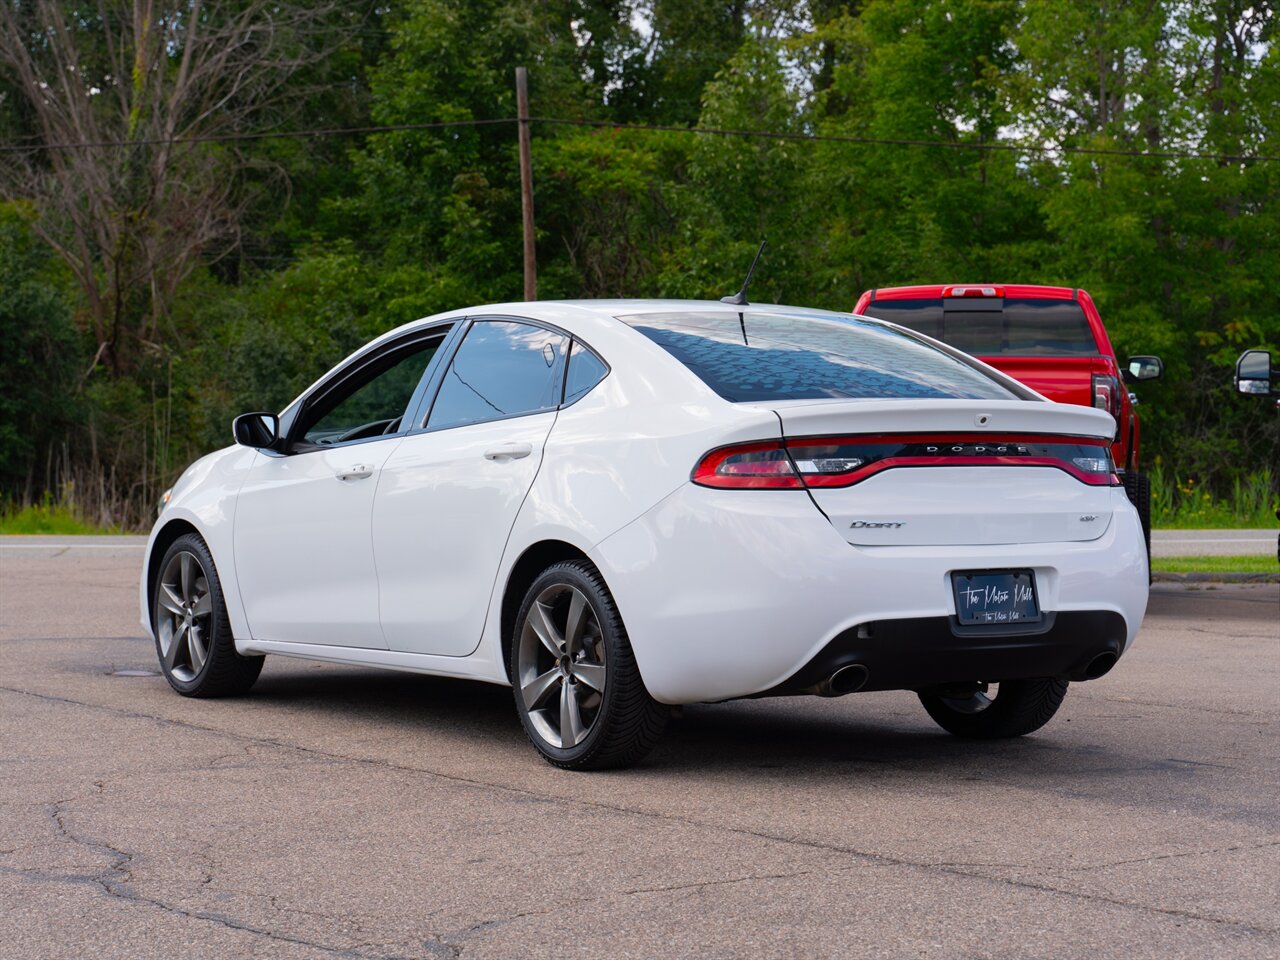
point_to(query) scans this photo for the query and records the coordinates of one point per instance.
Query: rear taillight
(748, 466)
(843, 461)
(1106, 394)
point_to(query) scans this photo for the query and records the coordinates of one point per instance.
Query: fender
(205, 498)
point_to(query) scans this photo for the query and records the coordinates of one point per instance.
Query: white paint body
(724, 593)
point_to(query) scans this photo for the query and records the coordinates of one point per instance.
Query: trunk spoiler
(813, 418)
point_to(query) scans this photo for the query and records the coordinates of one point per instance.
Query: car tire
(193, 634)
(1138, 487)
(1017, 708)
(578, 691)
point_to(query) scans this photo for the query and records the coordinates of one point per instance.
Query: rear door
(450, 492)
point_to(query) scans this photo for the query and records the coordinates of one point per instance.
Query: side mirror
(1143, 368)
(1253, 372)
(260, 430)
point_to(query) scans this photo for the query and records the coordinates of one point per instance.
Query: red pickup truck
(1050, 338)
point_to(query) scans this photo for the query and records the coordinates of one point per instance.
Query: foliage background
(336, 238)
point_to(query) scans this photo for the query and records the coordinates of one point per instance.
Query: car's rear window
(778, 356)
(1013, 328)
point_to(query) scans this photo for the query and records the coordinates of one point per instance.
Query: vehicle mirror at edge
(1253, 372)
(1143, 368)
(259, 429)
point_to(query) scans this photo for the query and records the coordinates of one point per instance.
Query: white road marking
(73, 546)
(1217, 540)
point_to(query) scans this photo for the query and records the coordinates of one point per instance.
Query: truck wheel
(995, 711)
(1138, 487)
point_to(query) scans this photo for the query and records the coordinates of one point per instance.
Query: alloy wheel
(561, 666)
(184, 611)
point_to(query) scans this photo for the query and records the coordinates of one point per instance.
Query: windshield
(756, 356)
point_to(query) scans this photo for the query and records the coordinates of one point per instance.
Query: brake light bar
(973, 291)
(817, 462)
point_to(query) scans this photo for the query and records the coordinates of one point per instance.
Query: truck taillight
(1106, 394)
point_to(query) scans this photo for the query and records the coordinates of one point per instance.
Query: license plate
(991, 597)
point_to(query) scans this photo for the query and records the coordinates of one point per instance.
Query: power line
(260, 135)
(658, 128)
(905, 142)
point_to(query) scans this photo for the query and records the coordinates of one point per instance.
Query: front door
(303, 545)
(449, 494)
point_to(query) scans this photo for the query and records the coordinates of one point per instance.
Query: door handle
(504, 452)
(360, 471)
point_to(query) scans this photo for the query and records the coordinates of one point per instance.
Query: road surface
(340, 812)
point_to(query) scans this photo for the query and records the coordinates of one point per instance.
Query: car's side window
(502, 369)
(373, 402)
(585, 371)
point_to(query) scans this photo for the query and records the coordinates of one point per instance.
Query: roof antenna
(739, 299)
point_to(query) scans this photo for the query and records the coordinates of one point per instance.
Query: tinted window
(1024, 328)
(372, 403)
(501, 369)
(792, 357)
(923, 316)
(585, 371)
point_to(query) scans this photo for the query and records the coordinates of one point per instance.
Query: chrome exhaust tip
(850, 678)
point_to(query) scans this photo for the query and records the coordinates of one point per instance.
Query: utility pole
(526, 185)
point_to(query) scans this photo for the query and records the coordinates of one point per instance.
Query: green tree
(326, 240)
(39, 361)
(449, 199)
(1172, 248)
(741, 190)
(937, 71)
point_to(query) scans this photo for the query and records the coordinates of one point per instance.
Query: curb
(1159, 577)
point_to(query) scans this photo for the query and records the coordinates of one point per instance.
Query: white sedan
(619, 506)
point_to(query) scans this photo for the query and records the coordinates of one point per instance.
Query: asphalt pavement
(340, 812)
(1212, 543)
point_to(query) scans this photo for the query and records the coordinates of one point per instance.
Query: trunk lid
(967, 506)
(954, 472)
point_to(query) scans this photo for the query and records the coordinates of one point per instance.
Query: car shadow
(887, 731)
(385, 695)
(861, 742)
(876, 734)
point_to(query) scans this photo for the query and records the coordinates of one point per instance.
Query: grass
(47, 518)
(1178, 504)
(1254, 564)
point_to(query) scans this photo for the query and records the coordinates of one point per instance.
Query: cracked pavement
(341, 812)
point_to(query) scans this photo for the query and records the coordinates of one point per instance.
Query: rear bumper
(931, 651)
(729, 594)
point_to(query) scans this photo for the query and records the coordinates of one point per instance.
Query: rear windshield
(763, 357)
(1015, 327)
